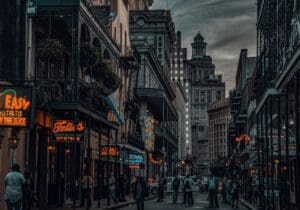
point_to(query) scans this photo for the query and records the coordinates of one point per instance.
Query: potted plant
(50, 50)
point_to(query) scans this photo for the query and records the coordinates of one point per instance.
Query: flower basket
(50, 50)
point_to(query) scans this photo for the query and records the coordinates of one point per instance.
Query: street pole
(98, 168)
(107, 167)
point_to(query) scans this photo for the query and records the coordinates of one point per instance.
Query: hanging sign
(134, 158)
(112, 151)
(149, 132)
(243, 137)
(15, 105)
(68, 130)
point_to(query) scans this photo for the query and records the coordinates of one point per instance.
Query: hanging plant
(50, 50)
(87, 56)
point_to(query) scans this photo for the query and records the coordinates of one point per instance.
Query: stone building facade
(206, 88)
(219, 119)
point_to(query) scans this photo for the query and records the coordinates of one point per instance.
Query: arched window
(85, 34)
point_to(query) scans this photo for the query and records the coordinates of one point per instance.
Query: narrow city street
(200, 202)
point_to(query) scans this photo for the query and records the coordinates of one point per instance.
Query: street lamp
(13, 142)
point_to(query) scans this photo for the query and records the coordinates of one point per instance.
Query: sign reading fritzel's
(67, 130)
(15, 104)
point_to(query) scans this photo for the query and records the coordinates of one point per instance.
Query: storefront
(15, 123)
(278, 141)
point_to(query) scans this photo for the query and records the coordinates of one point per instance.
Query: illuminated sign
(111, 151)
(243, 137)
(134, 158)
(135, 166)
(15, 106)
(149, 133)
(67, 130)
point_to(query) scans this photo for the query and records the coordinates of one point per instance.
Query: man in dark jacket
(175, 187)
(140, 192)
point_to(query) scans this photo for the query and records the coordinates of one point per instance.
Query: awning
(111, 101)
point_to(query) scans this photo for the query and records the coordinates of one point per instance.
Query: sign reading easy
(15, 104)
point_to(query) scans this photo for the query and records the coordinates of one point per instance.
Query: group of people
(231, 191)
(187, 189)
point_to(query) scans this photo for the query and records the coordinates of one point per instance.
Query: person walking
(86, 189)
(184, 193)
(13, 188)
(140, 193)
(188, 185)
(175, 187)
(228, 190)
(112, 188)
(28, 193)
(160, 190)
(121, 193)
(235, 193)
(212, 191)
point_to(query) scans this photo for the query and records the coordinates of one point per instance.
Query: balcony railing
(165, 130)
(136, 141)
(63, 91)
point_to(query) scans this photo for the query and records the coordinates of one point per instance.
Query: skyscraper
(206, 88)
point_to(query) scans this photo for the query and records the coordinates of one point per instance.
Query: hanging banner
(15, 106)
(68, 131)
(149, 132)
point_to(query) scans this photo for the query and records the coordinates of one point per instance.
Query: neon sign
(15, 106)
(67, 130)
(112, 151)
(243, 137)
(149, 131)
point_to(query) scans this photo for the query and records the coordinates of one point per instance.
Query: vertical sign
(149, 131)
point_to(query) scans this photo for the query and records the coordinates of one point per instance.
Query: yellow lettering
(7, 101)
(25, 104)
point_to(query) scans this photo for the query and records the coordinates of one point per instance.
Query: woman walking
(13, 188)
(235, 193)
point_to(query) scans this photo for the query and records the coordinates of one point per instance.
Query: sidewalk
(247, 204)
(103, 204)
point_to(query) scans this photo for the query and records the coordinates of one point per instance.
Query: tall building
(152, 32)
(206, 88)
(219, 119)
(179, 74)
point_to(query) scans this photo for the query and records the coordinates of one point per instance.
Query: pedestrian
(61, 189)
(140, 193)
(235, 192)
(212, 191)
(175, 187)
(112, 188)
(160, 190)
(121, 194)
(184, 193)
(28, 193)
(13, 188)
(223, 190)
(86, 189)
(228, 190)
(188, 185)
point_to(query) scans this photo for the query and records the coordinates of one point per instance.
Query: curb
(247, 204)
(127, 204)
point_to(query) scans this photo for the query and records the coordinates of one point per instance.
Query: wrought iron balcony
(135, 140)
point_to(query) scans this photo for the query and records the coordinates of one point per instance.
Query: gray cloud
(226, 25)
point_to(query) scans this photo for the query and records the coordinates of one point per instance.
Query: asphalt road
(200, 202)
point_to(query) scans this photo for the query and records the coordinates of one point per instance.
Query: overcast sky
(226, 25)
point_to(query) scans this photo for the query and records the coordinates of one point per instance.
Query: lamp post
(123, 155)
(13, 144)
